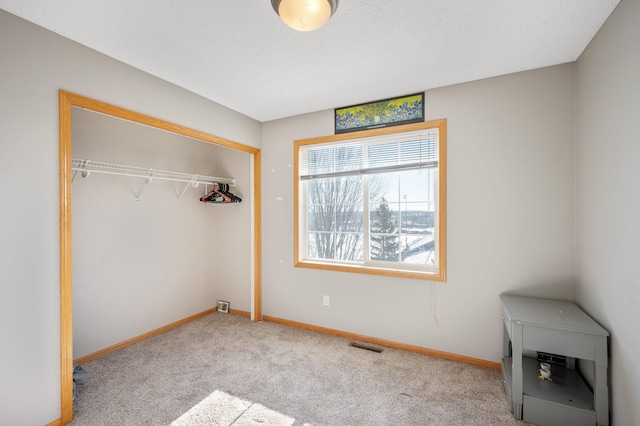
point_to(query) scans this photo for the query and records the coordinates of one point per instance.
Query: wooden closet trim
(67, 101)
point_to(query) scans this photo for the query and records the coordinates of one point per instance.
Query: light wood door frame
(66, 102)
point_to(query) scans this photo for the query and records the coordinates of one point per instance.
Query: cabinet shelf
(566, 388)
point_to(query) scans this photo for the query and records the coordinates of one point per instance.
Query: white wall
(608, 203)
(140, 263)
(510, 220)
(233, 234)
(34, 65)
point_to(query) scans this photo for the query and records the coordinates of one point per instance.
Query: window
(373, 201)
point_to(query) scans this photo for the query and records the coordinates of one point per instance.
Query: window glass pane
(348, 217)
(418, 185)
(383, 185)
(384, 218)
(417, 221)
(384, 247)
(320, 245)
(349, 247)
(335, 218)
(320, 217)
(335, 204)
(337, 190)
(383, 226)
(418, 250)
(417, 218)
(335, 246)
(347, 190)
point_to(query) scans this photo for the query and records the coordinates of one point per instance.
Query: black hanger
(220, 194)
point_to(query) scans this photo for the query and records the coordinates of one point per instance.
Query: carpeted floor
(226, 370)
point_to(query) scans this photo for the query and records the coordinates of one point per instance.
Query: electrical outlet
(325, 300)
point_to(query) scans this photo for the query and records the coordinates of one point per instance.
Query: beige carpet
(222, 409)
(224, 369)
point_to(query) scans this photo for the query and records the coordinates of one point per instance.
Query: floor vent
(365, 346)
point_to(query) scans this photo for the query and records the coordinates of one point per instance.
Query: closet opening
(121, 200)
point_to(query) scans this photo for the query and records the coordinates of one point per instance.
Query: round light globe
(305, 15)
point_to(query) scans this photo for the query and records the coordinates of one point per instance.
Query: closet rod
(90, 166)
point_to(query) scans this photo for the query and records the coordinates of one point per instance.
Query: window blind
(387, 153)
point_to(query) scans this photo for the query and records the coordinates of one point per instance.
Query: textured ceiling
(238, 53)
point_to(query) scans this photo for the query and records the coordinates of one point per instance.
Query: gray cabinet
(557, 327)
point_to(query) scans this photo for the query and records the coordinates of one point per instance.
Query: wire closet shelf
(86, 167)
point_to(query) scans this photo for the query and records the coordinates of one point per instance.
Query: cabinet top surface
(559, 314)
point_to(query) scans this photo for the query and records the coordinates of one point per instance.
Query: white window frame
(436, 272)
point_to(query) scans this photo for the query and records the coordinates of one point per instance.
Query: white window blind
(406, 151)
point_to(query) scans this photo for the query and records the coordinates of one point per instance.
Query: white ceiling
(238, 53)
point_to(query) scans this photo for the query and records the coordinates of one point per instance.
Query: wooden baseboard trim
(241, 313)
(387, 343)
(55, 423)
(141, 337)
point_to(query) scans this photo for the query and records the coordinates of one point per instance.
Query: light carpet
(224, 369)
(222, 409)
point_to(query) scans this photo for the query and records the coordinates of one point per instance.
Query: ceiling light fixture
(305, 15)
